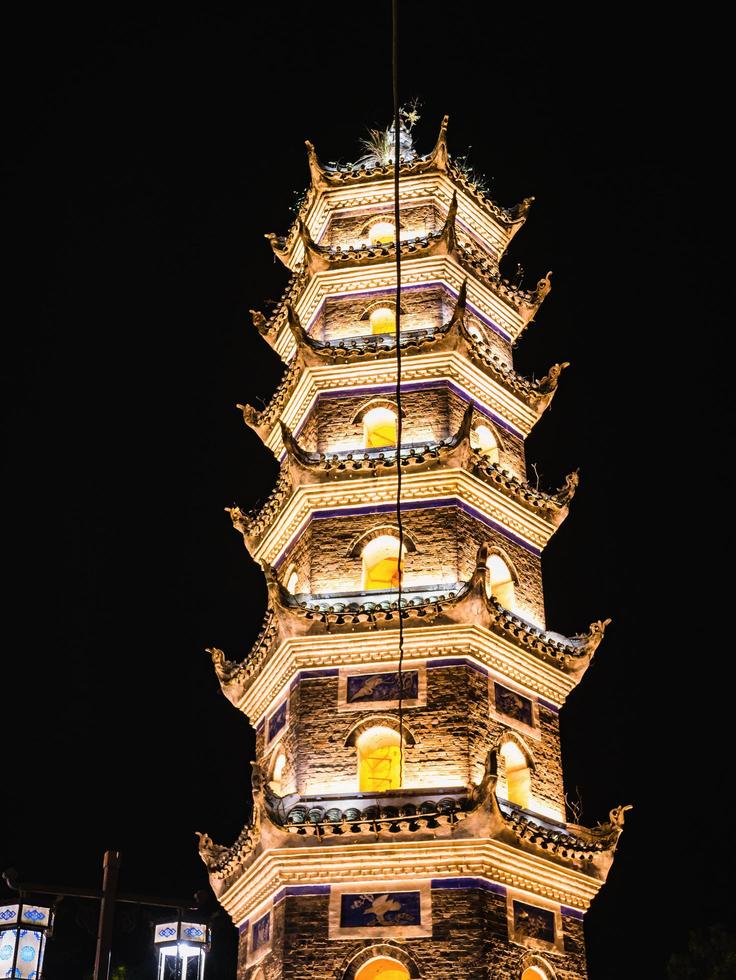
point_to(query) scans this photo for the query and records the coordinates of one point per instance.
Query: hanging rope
(399, 425)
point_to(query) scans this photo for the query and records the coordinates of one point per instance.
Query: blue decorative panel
(261, 934)
(513, 705)
(380, 910)
(531, 922)
(277, 721)
(382, 687)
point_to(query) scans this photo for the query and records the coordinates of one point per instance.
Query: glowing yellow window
(533, 973)
(383, 320)
(379, 760)
(277, 774)
(483, 439)
(383, 969)
(518, 776)
(379, 428)
(382, 232)
(381, 564)
(293, 581)
(501, 581)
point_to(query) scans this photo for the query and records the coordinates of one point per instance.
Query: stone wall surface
(469, 941)
(453, 734)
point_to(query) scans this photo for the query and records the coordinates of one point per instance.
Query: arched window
(500, 580)
(483, 439)
(379, 760)
(534, 973)
(382, 320)
(383, 969)
(381, 564)
(518, 775)
(382, 232)
(379, 428)
(291, 579)
(277, 773)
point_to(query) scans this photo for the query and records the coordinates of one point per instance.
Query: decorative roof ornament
(380, 144)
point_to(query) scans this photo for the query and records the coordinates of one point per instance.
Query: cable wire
(399, 425)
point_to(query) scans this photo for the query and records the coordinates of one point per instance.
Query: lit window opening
(518, 775)
(381, 564)
(483, 439)
(383, 969)
(382, 320)
(379, 428)
(382, 233)
(379, 760)
(500, 581)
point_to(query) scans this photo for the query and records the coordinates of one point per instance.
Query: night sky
(146, 158)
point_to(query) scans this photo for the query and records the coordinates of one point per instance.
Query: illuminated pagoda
(408, 816)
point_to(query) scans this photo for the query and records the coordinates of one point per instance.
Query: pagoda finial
(439, 155)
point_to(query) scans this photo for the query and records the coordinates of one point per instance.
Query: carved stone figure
(210, 852)
(226, 670)
(567, 492)
(549, 382)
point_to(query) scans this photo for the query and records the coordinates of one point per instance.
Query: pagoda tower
(408, 804)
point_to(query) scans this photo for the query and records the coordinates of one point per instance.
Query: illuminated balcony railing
(388, 599)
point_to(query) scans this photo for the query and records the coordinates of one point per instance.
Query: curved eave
(489, 225)
(491, 305)
(406, 860)
(296, 399)
(499, 655)
(530, 527)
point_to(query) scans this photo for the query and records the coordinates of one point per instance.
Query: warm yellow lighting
(383, 320)
(518, 776)
(500, 581)
(379, 427)
(379, 760)
(381, 564)
(277, 772)
(293, 582)
(383, 969)
(382, 232)
(533, 973)
(483, 439)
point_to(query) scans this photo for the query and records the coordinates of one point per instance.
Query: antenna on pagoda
(399, 412)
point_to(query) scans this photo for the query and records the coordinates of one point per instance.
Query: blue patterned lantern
(182, 947)
(23, 931)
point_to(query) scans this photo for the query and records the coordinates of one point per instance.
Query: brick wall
(447, 542)
(453, 734)
(469, 941)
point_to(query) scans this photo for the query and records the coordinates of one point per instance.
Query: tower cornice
(343, 187)
(287, 619)
(360, 864)
(431, 475)
(507, 307)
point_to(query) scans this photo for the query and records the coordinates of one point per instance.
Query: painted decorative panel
(531, 922)
(393, 910)
(381, 690)
(277, 721)
(513, 705)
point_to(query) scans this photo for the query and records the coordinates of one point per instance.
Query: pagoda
(409, 814)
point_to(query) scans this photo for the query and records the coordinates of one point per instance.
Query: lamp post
(182, 947)
(23, 931)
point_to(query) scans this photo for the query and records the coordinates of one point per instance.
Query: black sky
(146, 157)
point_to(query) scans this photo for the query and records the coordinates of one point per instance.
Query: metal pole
(110, 869)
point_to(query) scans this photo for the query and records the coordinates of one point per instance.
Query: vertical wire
(399, 425)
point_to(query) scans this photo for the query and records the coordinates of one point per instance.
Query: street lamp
(23, 931)
(182, 947)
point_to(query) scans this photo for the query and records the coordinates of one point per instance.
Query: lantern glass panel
(23, 931)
